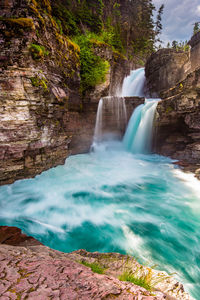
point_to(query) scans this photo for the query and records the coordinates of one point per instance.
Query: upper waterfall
(133, 84)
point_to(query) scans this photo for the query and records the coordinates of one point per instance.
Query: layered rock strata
(177, 126)
(43, 117)
(36, 272)
(177, 121)
(165, 68)
(195, 51)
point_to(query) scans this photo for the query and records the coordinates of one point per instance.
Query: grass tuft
(143, 280)
(96, 268)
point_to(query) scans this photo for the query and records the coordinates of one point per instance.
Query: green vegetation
(196, 27)
(179, 46)
(93, 68)
(128, 29)
(25, 23)
(96, 268)
(143, 280)
(169, 109)
(38, 51)
(38, 82)
(158, 24)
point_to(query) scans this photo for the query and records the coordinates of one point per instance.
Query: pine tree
(158, 24)
(196, 28)
(174, 44)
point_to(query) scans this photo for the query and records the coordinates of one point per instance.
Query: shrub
(93, 68)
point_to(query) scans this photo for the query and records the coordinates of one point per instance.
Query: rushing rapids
(117, 198)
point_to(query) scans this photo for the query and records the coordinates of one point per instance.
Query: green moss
(35, 10)
(38, 51)
(38, 82)
(95, 267)
(45, 4)
(66, 18)
(22, 22)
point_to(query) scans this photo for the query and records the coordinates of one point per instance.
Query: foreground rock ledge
(34, 271)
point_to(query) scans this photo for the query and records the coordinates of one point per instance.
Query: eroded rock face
(37, 272)
(165, 68)
(37, 82)
(175, 76)
(43, 118)
(195, 51)
(177, 121)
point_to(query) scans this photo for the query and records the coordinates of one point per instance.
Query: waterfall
(138, 136)
(111, 118)
(133, 84)
(98, 125)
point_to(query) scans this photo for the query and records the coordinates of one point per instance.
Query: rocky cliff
(165, 68)
(29, 270)
(44, 116)
(177, 126)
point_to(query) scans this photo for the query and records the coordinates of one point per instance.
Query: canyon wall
(39, 79)
(165, 68)
(177, 122)
(43, 115)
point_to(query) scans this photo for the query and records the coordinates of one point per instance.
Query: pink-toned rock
(33, 271)
(45, 273)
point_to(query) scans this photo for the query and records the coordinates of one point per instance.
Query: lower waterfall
(138, 135)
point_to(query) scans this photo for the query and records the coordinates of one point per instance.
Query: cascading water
(111, 118)
(138, 136)
(111, 200)
(133, 84)
(98, 125)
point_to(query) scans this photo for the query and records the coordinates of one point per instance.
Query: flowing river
(117, 198)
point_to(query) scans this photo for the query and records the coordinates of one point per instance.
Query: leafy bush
(93, 68)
